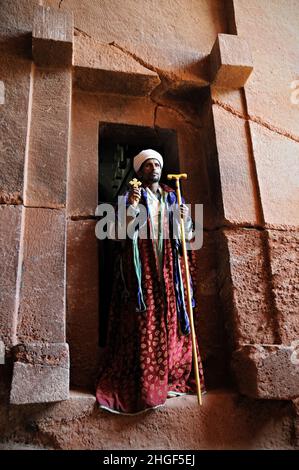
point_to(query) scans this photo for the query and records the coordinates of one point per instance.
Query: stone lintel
(108, 81)
(104, 68)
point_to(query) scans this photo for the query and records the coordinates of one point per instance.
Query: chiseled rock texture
(41, 295)
(226, 421)
(244, 287)
(284, 260)
(52, 37)
(268, 371)
(230, 62)
(276, 158)
(10, 222)
(40, 373)
(220, 78)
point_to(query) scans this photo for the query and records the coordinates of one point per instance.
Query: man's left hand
(184, 210)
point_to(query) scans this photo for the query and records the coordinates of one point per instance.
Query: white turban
(145, 155)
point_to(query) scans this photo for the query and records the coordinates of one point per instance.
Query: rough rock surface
(88, 112)
(13, 126)
(83, 302)
(40, 373)
(226, 421)
(52, 37)
(276, 159)
(41, 314)
(245, 288)
(239, 147)
(39, 384)
(284, 259)
(267, 371)
(268, 91)
(237, 183)
(165, 35)
(10, 234)
(230, 62)
(49, 136)
(107, 69)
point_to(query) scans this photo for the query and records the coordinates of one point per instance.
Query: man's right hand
(134, 196)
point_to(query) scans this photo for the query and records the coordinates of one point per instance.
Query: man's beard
(155, 178)
(149, 179)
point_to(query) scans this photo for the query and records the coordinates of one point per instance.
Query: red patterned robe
(147, 356)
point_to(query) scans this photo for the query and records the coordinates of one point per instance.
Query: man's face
(150, 171)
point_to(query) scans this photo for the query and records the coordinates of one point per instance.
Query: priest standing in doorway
(148, 356)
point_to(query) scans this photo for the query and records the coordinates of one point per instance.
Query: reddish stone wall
(171, 37)
(156, 64)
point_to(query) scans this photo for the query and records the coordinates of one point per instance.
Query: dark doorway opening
(118, 144)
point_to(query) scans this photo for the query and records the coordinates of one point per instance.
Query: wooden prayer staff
(190, 308)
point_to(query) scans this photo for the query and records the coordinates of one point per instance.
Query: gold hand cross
(135, 183)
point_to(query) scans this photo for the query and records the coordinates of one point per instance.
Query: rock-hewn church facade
(212, 84)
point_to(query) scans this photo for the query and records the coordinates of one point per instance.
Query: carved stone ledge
(40, 373)
(52, 37)
(267, 371)
(230, 62)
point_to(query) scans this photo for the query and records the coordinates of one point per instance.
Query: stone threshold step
(225, 421)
